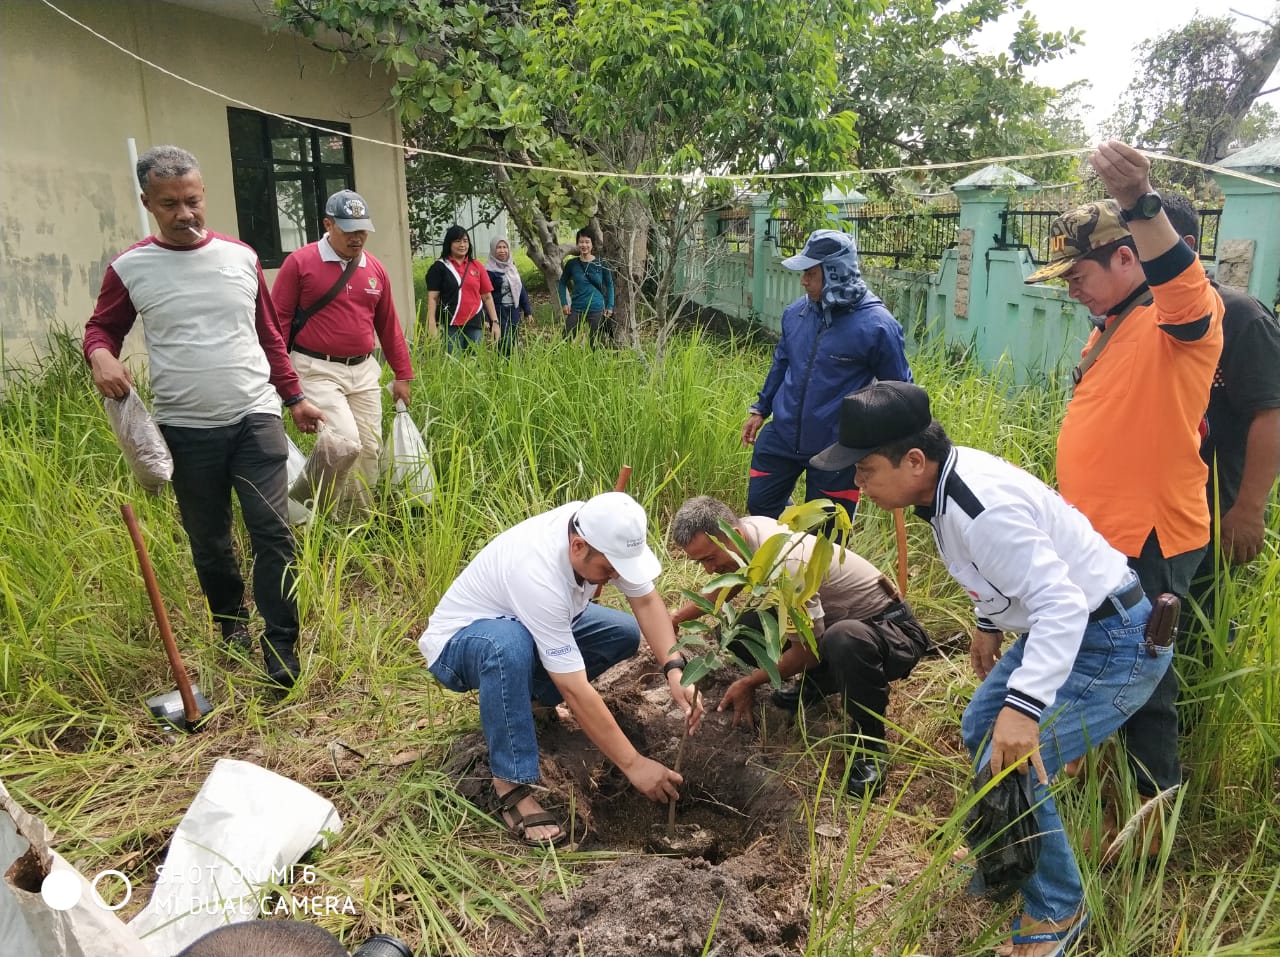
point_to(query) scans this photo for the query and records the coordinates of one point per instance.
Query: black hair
(279, 938)
(1102, 255)
(932, 440)
(586, 231)
(453, 233)
(1182, 214)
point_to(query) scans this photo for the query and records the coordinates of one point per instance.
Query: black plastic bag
(1002, 832)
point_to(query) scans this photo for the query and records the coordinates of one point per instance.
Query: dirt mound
(735, 861)
(666, 906)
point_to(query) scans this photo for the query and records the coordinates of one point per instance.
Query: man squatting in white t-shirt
(518, 624)
(218, 372)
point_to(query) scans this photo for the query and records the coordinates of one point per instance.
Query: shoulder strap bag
(300, 315)
(1101, 343)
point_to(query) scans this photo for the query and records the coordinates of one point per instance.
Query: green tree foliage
(1194, 89)
(660, 86)
(681, 87)
(922, 92)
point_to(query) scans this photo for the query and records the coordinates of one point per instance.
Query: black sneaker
(236, 637)
(867, 772)
(790, 697)
(282, 665)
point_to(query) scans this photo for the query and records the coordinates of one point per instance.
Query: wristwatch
(1148, 206)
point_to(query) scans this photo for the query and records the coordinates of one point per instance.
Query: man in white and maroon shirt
(332, 349)
(218, 371)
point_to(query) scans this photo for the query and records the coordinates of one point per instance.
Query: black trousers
(594, 321)
(859, 658)
(1150, 736)
(249, 458)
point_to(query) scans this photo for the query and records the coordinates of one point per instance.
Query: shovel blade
(168, 708)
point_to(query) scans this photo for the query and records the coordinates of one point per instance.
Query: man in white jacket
(1034, 566)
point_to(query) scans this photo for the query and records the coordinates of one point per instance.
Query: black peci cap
(873, 417)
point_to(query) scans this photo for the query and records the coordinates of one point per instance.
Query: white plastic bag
(248, 827)
(299, 513)
(47, 907)
(326, 467)
(140, 441)
(411, 470)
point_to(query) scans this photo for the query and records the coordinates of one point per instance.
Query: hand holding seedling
(688, 699)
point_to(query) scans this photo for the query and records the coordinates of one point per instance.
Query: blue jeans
(775, 469)
(1113, 675)
(464, 338)
(497, 657)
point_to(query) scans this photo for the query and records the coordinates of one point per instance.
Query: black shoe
(790, 697)
(867, 773)
(282, 665)
(236, 637)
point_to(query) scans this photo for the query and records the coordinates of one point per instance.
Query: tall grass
(369, 729)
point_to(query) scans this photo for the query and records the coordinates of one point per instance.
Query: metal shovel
(184, 708)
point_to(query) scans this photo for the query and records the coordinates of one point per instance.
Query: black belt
(345, 360)
(895, 613)
(1113, 603)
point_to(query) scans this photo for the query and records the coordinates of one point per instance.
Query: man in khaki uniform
(867, 635)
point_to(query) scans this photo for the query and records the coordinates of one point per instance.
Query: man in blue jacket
(836, 339)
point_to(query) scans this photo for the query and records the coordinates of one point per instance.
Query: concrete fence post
(761, 251)
(983, 196)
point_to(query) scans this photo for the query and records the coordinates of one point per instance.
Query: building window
(283, 174)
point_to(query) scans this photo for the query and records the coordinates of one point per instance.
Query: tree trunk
(535, 229)
(625, 224)
(1258, 66)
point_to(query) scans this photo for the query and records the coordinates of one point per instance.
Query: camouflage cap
(1079, 232)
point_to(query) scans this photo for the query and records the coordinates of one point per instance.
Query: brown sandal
(518, 824)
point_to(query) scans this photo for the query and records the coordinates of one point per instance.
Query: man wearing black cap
(836, 338)
(332, 297)
(1034, 566)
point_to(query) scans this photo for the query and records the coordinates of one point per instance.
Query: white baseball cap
(614, 524)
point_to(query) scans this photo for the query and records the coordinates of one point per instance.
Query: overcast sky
(1111, 30)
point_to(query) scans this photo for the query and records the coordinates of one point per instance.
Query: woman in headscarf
(509, 294)
(461, 284)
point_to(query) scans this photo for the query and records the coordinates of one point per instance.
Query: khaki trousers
(351, 402)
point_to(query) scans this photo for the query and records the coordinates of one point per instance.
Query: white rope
(667, 177)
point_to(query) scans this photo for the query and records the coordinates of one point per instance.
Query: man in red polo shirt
(1129, 448)
(332, 351)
